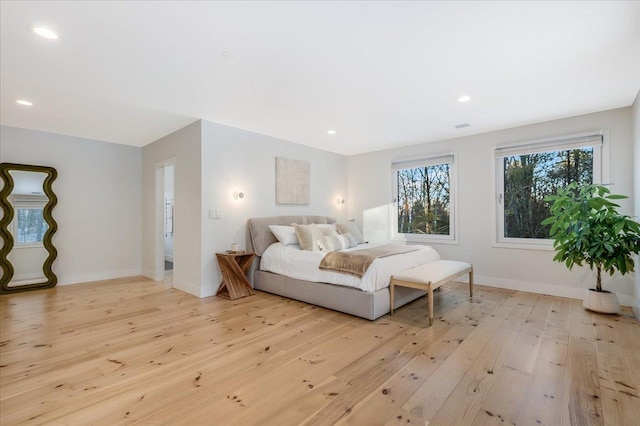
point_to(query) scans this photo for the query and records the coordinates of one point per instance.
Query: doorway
(165, 220)
(169, 229)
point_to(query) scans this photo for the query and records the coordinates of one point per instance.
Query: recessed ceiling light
(462, 125)
(331, 132)
(464, 98)
(45, 32)
(24, 102)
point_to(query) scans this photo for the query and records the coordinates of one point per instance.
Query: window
(28, 221)
(526, 174)
(424, 202)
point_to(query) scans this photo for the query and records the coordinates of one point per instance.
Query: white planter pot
(603, 302)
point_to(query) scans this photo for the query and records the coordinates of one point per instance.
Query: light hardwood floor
(134, 351)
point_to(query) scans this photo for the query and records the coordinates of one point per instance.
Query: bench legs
(431, 296)
(430, 290)
(392, 292)
(429, 287)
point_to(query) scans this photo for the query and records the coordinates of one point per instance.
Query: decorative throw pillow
(332, 243)
(327, 229)
(307, 236)
(285, 234)
(352, 228)
(350, 239)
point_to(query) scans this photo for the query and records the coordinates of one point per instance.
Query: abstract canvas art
(292, 181)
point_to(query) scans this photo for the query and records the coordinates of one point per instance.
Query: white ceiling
(27, 183)
(382, 74)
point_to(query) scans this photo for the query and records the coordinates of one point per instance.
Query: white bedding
(302, 264)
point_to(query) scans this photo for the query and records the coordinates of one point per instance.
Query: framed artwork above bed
(292, 181)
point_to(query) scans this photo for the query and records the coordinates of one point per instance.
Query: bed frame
(339, 298)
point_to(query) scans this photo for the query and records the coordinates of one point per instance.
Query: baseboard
(75, 279)
(98, 276)
(527, 286)
(149, 273)
(25, 277)
(626, 300)
(187, 287)
(32, 279)
(542, 288)
(85, 278)
(208, 292)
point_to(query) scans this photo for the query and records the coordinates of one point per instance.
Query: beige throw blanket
(357, 262)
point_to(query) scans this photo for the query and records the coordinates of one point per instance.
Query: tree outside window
(31, 226)
(526, 174)
(423, 194)
(528, 179)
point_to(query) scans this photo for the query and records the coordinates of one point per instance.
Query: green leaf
(586, 227)
(616, 197)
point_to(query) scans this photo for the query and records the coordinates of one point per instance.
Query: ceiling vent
(462, 125)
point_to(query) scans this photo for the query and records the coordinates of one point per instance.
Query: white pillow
(350, 239)
(352, 228)
(285, 234)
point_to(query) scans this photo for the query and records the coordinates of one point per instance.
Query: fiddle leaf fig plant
(587, 228)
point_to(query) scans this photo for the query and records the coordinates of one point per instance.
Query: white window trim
(453, 200)
(25, 202)
(600, 175)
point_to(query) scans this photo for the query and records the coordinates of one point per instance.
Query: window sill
(27, 245)
(525, 246)
(426, 240)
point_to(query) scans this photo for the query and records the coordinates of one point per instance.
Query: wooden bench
(431, 276)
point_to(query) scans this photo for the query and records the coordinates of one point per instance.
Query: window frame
(600, 175)
(452, 237)
(35, 202)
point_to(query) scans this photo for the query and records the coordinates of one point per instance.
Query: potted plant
(587, 228)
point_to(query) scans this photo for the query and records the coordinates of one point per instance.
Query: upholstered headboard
(259, 236)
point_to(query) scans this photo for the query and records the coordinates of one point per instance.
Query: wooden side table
(234, 267)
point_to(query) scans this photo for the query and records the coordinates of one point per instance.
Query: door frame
(159, 273)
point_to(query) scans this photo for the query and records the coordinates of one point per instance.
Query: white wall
(182, 148)
(238, 160)
(105, 231)
(27, 262)
(108, 210)
(636, 189)
(99, 209)
(529, 270)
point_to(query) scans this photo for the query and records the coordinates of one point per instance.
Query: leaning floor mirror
(27, 227)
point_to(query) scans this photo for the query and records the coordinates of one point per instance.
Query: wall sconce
(238, 195)
(339, 201)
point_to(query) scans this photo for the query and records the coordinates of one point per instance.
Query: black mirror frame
(6, 236)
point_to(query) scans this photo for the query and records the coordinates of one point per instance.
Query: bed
(370, 304)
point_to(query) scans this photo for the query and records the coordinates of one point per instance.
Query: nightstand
(234, 267)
